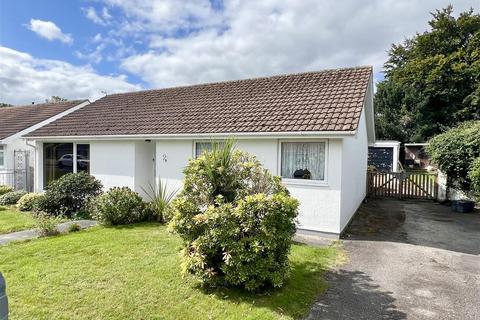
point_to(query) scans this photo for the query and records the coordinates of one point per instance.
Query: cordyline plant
(236, 219)
(159, 198)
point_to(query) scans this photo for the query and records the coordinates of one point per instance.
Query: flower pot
(463, 206)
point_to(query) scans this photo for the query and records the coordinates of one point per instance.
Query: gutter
(245, 135)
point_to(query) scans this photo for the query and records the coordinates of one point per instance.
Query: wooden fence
(402, 185)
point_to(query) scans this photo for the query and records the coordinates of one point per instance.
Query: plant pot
(463, 206)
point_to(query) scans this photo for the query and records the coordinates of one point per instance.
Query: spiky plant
(160, 197)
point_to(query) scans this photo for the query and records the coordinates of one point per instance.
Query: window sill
(305, 182)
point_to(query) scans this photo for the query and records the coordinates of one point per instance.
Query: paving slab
(33, 233)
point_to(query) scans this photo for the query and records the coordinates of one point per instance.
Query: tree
(54, 99)
(432, 81)
(4, 105)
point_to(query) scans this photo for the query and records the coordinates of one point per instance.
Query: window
(2, 156)
(58, 160)
(201, 147)
(83, 158)
(303, 160)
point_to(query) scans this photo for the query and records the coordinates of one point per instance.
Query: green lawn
(133, 273)
(13, 220)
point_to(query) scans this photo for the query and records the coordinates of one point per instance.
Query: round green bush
(237, 221)
(474, 175)
(454, 152)
(28, 201)
(5, 189)
(119, 206)
(69, 195)
(11, 197)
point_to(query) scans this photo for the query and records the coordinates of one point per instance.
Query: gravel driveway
(407, 260)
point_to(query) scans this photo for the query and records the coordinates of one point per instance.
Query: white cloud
(24, 79)
(49, 30)
(258, 38)
(102, 19)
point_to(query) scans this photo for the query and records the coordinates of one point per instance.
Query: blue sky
(79, 48)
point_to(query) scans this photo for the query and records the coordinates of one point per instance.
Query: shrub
(160, 198)
(454, 152)
(119, 206)
(5, 189)
(474, 175)
(237, 221)
(46, 225)
(69, 194)
(12, 197)
(27, 202)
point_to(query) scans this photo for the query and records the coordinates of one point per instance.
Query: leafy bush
(5, 189)
(46, 225)
(119, 206)
(12, 197)
(474, 175)
(69, 194)
(237, 221)
(160, 198)
(28, 201)
(454, 152)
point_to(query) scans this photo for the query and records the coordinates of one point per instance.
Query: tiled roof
(16, 119)
(329, 100)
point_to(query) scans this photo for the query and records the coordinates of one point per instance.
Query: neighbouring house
(416, 156)
(312, 129)
(384, 155)
(16, 155)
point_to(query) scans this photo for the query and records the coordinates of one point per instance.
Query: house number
(164, 157)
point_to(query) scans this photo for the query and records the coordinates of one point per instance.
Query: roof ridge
(246, 79)
(44, 103)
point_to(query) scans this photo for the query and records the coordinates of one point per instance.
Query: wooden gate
(402, 185)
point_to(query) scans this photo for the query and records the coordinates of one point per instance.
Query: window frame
(194, 146)
(303, 182)
(74, 157)
(3, 150)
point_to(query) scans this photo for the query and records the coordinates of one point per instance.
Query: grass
(134, 273)
(11, 219)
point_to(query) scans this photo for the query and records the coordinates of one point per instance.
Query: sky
(89, 48)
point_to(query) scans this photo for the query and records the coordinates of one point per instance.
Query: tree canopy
(432, 81)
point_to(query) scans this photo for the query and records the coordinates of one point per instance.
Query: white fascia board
(240, 135)
(44, 122)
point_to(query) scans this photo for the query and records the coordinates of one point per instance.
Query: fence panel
(402, 185)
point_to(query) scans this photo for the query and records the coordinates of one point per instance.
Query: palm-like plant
(160, 197)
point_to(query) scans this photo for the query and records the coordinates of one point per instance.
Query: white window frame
(3, 150)
(303, 182)
(74, 157)
(194, 146)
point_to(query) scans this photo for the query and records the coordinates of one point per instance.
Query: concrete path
(423, 263)
(31, 234)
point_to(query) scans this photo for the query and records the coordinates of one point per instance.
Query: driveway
(407, 260)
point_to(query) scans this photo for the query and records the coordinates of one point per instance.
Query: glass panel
(57, 161)
(303, 160)
(83, 158)
(201, 147)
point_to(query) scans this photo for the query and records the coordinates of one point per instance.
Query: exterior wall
(16, 144)
(144, 166)
(319, 204)
(113, 163)
(354, 170)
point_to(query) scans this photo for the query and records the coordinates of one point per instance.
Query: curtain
(301, 156)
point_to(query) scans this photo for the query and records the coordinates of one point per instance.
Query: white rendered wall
(113, 163)
(9, 149)
(144, 166)
(354, 171)
(319, 204)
